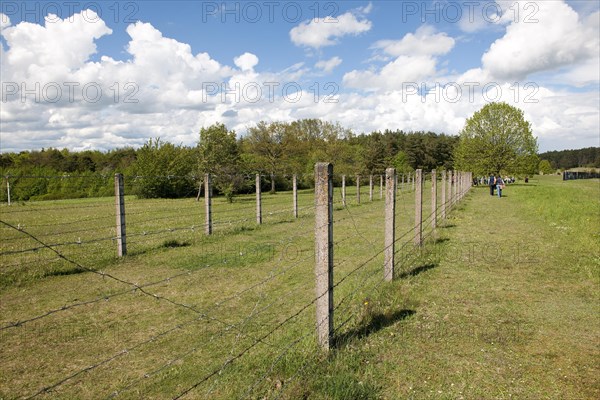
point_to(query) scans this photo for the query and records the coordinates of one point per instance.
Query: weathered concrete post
(208, 203)
(418, 181)
(120, 212)
(258, 200)
(443, 182)
(344, 190)
(433, 198)
(324, 252)
(452, 189)
(390, 223)
(370, 187)
(8, 189)
(295, 194)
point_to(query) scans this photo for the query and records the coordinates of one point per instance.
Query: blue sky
(100, 75)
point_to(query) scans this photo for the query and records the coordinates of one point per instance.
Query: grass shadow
(417, 270)
(67, 272)
(447, 226)
(175, 243)
(376, 323)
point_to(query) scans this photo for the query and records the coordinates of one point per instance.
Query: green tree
(545, 167)
(220, 156)
(400, 162)
(163, 170)
(265, 143)
(497, 139)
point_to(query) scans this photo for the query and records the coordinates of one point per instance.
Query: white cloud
(328, 65)
(583, 74)
(321, 32)
(415, 61)
(246, 62)
(425, 41)
(366, 9)
(58, 46)
(394, 75)
(558, 39)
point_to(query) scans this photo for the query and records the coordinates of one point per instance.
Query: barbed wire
(233, 356)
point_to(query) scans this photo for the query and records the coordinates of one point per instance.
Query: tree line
(276, 149)
(588, 157)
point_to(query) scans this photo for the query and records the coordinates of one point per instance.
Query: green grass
(501, 302)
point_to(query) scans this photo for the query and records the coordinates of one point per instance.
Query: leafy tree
(545, 167)
(220, 156)
(266, 143)
(497, 139)
(400, 162)
(163, 170)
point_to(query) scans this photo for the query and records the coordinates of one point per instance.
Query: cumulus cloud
(425, 41)
(34, 46)
(415, 61)
(321, 32)
(394, 75)
(328, 65)
(558, 39)
(246, 61)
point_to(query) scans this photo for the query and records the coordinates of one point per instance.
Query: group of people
(497, 183)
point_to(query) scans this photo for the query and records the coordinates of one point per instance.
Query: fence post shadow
(417, 270)
(374, 324)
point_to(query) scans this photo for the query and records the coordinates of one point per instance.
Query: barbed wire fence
(237, 311)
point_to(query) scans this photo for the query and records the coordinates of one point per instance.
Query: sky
(109, 74)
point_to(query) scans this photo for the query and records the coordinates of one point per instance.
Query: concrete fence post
(258, 200)
(295, 195)
(443, 200)
(8, 189)
(120, 212)
(370, 187)
(454, 182)
(390, 223)
(418, 181)
(208, 203)
(344, 190)
(450, 178)
(324, 253)
(433, 199)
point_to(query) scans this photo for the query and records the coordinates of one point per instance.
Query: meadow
(500, 302)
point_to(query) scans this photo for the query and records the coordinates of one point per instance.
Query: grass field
(501, 303)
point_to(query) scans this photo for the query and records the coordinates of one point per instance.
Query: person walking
(492, 183)
(499, 185)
